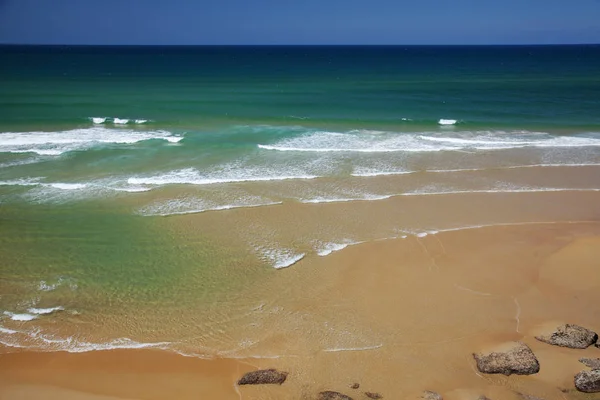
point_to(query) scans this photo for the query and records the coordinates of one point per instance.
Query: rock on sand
(572, 336)
(516, 359)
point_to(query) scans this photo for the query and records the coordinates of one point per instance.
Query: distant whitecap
(447, 121)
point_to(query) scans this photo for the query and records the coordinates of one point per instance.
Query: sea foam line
(362, 141)
(339, 349)
(192, 176)
(327, 248)
(449, 192)
(59, 142)
(44, 311)
(443, 171)
(20, 317)
(215, 208)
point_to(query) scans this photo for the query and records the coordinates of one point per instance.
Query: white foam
(330, 248)
(447, 121)
(192, 176)
(120, 121)
(288, 262)
(21, 182)
(372, 197)
(44, 311)
(36, 339)
(56, 143)
(47, 287)
(7, 331)
(197, 205)
(280, 258)
(326, 249)
(515, 190)
(20, 317)
(382, 142)
(140, 121)
(122, 343)
(339, 349)
(133, 189)
(422, 234)
(67, 186)
(373, 173)
(98, 120)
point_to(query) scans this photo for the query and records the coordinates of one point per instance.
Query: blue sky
(299, 21)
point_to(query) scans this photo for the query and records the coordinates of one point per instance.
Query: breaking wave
(361, 141)
(56, 143)
(117, 121)
(193, 176)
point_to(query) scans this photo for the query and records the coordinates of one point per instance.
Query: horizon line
(299, 45)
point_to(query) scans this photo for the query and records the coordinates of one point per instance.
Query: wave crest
(56, 143)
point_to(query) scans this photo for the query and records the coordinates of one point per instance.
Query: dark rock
(572, 336)
(355, 386)
(483, 398)
(518, 360)
(428, 395)
(588, 381)
(373, 395)
(263, 377)
(329, 395)
(593, 363)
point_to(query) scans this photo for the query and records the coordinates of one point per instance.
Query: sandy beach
(414, 309)
(364, 219)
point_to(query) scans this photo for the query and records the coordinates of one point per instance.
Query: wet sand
(397, 316)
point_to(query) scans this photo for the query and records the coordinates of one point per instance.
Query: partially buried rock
(329, 395)
(372, 395)
(572, 336)
(519, 359)
(429, 395)
(588, 381)
(355, 386)
(593, 363)
(263, 377)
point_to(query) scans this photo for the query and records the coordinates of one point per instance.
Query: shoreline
(398, 316)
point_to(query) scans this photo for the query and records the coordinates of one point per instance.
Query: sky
(280, 22)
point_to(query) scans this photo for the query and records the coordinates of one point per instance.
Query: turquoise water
(554, 86)
(98, 144)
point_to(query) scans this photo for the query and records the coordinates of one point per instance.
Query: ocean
(147, 193)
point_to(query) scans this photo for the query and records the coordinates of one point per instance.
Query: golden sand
(397, 316)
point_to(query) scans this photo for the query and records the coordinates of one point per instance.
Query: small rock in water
(355, 386)
(588, 381)
(593, 363)
(329, 395)
(429, 395)
(263, 377)
(518, 360)
(572, 336)
(373, 395)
